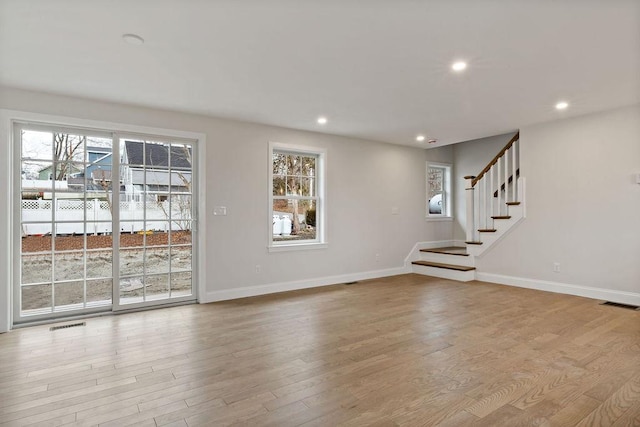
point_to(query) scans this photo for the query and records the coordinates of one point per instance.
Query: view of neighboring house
(168, 170)
(47, 172)
(98, 170)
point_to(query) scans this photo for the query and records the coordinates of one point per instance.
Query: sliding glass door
(103, 222)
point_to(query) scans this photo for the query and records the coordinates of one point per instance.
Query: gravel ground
(69, 266)
(66, 243)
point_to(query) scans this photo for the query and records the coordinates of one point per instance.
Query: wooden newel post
(471, 226)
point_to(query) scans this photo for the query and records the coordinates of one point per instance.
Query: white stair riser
(444, 273)
(467, 261)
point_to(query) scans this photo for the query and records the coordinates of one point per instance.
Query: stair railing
(488, 193)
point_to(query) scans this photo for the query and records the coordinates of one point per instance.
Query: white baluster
(491, 191)
(484, 201)
(470, 208)
(498, 178)
(476, 213)
(514, 168)
(506, 179)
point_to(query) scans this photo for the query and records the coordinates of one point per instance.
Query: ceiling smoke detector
(133, 39)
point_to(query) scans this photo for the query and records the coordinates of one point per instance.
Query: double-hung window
(296, 197)
(438, 190)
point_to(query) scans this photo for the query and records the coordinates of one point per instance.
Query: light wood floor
(406, 350)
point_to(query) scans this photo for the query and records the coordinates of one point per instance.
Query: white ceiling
(378, 69)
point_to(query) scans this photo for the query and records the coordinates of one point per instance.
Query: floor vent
(351, 283)
(617, 304)
(71, 325)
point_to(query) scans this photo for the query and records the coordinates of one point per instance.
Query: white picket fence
(70, 216)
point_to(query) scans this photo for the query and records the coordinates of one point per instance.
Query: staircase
(495, 204)
(451, 262)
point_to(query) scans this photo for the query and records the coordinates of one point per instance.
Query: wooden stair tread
(473, 243)
(487, 230)
(449, 250)
(440, 265)
(501, 217)
(513, 203)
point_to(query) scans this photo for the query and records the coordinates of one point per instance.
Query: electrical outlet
(258, 268)
(556, 267)
(377, 257)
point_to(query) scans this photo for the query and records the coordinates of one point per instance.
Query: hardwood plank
(615, 406)
(573, 413)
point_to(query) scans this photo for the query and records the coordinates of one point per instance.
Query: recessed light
(420, 138)
(459, 66)
(562, 105)
(133, 39)
(322, 120)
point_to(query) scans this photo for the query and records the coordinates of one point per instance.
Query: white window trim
(448, 214)
(320, 241)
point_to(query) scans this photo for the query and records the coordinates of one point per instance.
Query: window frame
(320, 241)
(447, 214)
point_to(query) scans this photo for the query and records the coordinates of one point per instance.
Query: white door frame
(10, 216)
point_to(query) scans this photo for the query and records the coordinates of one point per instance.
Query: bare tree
(183, 202)
(293, 176)
(66, 150)
(106, 186)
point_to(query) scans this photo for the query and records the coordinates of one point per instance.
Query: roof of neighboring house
(95, 149)
(72, 168)
(157, 155)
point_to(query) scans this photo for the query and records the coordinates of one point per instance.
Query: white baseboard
(271, 288)
(622, 297)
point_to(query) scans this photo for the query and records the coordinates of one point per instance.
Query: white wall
(365, 180)
(470, 158)
(582, 203)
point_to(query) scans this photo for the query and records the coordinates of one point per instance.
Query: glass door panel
(65, 222)
(156, 216)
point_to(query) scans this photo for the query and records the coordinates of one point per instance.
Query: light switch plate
(220, 210)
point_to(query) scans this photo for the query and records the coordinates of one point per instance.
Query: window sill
(297, 247)
(439, 218)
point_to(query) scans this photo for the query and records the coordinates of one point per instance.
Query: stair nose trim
(445, 266)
